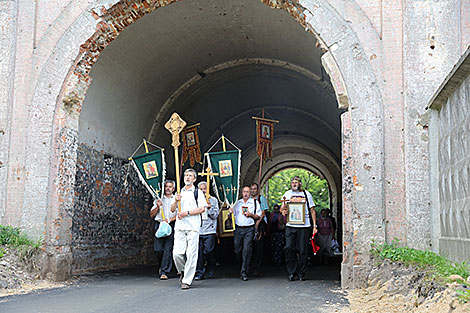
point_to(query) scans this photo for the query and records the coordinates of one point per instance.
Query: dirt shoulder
(394, 287)
(19, 272)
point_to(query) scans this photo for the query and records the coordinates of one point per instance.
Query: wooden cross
(284, 200)
(175, 125)
(208, 173)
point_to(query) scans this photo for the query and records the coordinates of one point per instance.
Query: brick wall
(111, 226)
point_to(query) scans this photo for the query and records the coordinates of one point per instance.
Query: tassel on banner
(191, 145)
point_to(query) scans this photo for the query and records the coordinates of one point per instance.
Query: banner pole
(146, 147)
(178, 183)
(223, 143)
(260, 160)
(260, 167)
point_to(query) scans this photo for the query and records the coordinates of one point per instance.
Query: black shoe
(291, 277)
(302, 278)
(244, 278)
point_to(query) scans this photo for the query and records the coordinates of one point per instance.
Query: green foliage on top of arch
(280, 183)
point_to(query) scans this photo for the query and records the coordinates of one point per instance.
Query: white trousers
(185, 253)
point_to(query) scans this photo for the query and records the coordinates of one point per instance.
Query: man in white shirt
(260, 230)
(247, 210)
(297, 236)
(163, 247)
(207, 237)
(187, 226)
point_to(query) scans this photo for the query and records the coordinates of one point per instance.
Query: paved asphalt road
(139, 290)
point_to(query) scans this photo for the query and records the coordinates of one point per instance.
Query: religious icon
(296, 213)
(150, 169)
(190, 139)
(228, 221)
(265, 131)
(225, 168)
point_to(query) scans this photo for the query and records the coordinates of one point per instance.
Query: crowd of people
(193, 215)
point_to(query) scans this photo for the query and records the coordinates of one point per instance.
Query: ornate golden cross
(208, 173)
(175, 125)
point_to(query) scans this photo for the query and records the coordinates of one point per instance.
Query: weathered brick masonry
(111, 227)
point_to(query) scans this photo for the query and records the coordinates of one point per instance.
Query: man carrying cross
(191, 203)
(207, 236)
(187, 226)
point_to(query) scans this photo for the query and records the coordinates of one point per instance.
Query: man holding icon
(247, 210)
(297, 235)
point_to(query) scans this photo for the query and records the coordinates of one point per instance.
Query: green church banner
(151, 170)
(226, 184)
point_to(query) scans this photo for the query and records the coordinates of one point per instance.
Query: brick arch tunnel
(214, 63)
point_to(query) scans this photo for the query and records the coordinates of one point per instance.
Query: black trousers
(296, 249)
(163, 248)
(258, 247)
(243, 246)
(206, 253)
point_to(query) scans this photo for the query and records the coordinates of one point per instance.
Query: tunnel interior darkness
(217, 63)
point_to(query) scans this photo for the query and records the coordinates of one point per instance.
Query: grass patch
(14, 237)
(464, 295)
(438, 265)
(26, 248)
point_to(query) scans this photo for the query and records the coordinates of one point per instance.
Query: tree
(280, 183)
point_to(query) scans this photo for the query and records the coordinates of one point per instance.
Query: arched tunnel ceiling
(139, 72)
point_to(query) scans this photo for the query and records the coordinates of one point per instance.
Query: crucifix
(175, 125)
(284, 207)
(208, 173)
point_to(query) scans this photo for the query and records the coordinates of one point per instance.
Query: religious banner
(226, 184)
(264, 137)
(191, 147)
(151, 169)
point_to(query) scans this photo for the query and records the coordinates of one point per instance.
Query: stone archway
(351, 73)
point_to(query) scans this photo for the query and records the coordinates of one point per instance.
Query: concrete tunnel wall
(206, 76)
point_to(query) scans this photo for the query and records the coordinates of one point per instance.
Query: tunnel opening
(215, 63)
